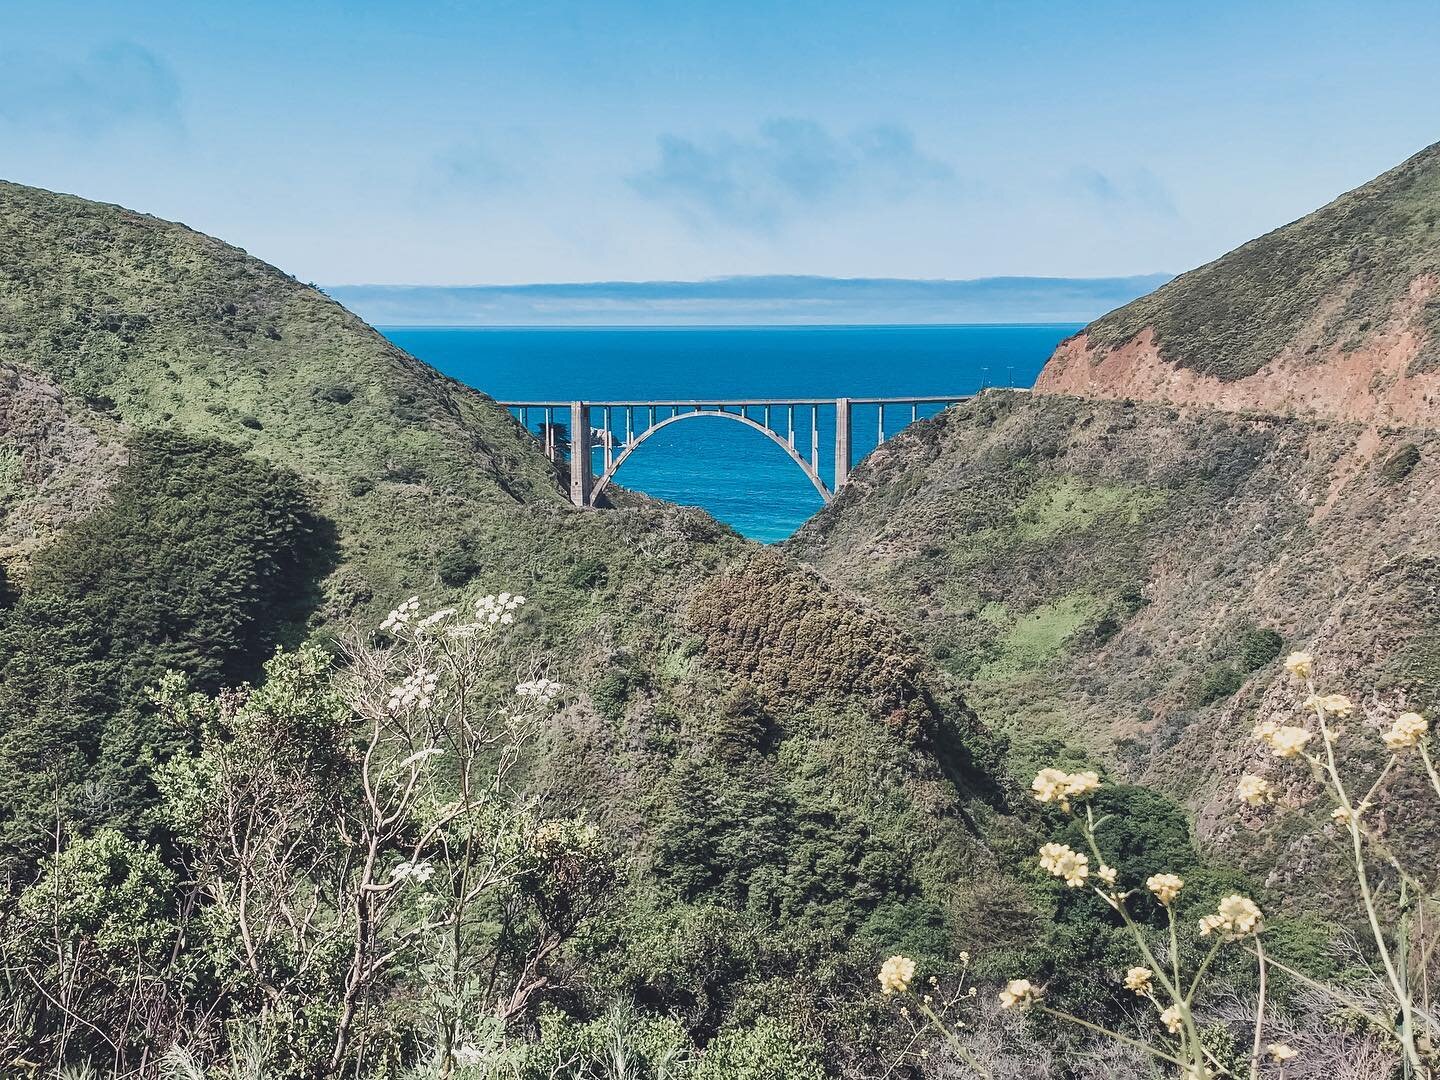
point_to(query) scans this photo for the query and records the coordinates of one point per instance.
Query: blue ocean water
(733, 472)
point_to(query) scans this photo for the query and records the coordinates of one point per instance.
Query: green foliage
(1251, 649)
(768, 1051)
(202, 560)
(113, 894)
(587, 573)
(1400, 464)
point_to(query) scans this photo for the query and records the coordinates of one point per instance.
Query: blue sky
(449, 142)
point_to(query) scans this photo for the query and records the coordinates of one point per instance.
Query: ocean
(734, 473)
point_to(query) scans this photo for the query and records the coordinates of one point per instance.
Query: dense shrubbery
(201, 562)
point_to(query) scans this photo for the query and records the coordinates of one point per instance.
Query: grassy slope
(1350, 262)
(1096, 573)
(113, 321)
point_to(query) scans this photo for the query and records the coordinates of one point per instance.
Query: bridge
(613, 430)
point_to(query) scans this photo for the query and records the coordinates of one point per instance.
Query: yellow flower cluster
(896, 974)
(1171, 1019)
(1058, 786)
(1019, 994)
(1331, 704)
(1236, 917)
(1107, 874)
(1300, 665)
(1061, 861)
(1284, 740)
(1282, 1051)
(1166, 887)
(1254, 790)
(1137, 980)
(1409, 728)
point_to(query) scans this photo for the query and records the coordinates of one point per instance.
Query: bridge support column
(580, 456)
(842, 443)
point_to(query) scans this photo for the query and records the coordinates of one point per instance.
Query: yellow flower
(895, 975)
(1254, 790)
(1333, 704)
(1058, 786)
(1082, 784)
(1137, 980)
(1106, 874)
(1236, 916)
(1166, 887)
(1018, 993)
(1409, 728)
(1299, 665)
(1171, 1019)
(1282, 1051)
(1284, 741)
(1049, 786)
(1061, 861)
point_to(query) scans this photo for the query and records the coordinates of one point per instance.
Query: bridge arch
(609, 474)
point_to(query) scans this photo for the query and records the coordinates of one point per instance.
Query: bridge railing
(614, 428)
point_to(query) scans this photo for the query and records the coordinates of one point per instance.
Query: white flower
(417, 691)
(1019, 994)
(413, 871)
(401, 615)
(433, 618)
(498, 610)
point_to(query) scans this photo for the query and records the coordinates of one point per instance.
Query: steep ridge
(829, 818)
(1334, 315)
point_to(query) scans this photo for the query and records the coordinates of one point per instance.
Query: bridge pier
(842, 442)
(581, 459)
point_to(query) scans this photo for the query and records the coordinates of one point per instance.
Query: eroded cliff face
(1374, 383)
(1335, 316)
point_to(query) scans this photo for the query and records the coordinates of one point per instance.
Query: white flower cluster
(433, 618)
(420, 872)
(402, 615)
(543, 691)
(500, 609)
(417, 691)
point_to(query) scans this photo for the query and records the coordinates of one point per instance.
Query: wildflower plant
(349, 824)
(1173, 990)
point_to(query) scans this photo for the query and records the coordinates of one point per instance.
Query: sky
(432, 142)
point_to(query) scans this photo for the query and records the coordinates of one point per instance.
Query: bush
(202, 561)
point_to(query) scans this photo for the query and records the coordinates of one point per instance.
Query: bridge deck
(582, 428)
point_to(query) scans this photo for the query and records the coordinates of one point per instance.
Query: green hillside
(203, 460)
(1122, 580)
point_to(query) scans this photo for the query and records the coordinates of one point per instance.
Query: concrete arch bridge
(598, 437)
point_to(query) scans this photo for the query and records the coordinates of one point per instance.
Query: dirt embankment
(1372, 381)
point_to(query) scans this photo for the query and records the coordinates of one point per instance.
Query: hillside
(787, 783)
(1117, 582)
(1334, 315)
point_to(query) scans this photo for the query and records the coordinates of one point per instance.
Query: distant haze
(752, 301)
